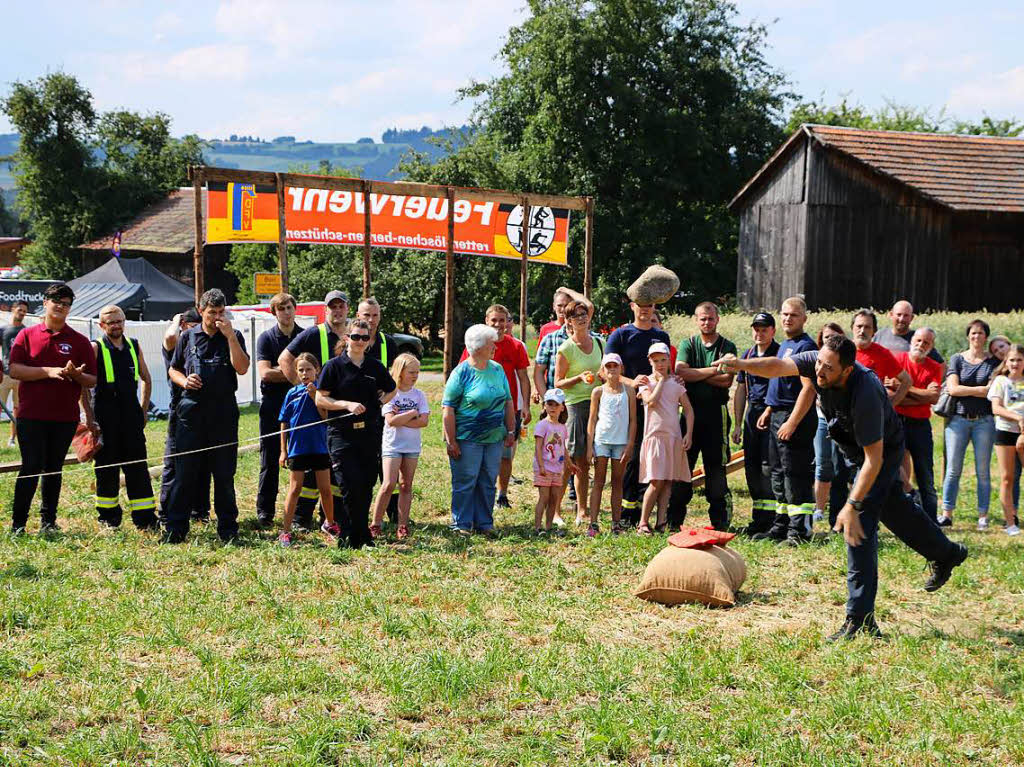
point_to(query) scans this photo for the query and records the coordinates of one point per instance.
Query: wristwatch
(858, 506)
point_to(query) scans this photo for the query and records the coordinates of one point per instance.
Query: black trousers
(202, 425)
(757, 465)
(354, 470)
(201, 502)
(43, 445)
(124, 439)
(632, 488)
(887, 503)
(792, 463)
(920, 445)
(711, 442)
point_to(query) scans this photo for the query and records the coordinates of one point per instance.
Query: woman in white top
(1007, 397)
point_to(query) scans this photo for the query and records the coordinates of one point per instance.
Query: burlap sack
(655, 286)
(711, 576)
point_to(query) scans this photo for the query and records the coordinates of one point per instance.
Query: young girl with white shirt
(611, 431)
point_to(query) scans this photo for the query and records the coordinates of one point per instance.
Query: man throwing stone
(862, 422)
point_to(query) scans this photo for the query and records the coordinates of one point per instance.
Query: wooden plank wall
(772, 228)
(987, 262)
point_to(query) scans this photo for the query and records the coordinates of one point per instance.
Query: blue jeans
(960, 431)
(474, 473)
(824, 470)
(919, 444)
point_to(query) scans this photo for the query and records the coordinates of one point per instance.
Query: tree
(660, 109)
(79, 173)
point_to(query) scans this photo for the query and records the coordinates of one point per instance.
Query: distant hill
(376, 160)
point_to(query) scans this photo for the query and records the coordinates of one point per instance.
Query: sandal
(375, 531)
(644, 529)
(402, 533)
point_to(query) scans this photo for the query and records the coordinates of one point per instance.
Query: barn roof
(961, 173)
(167, 226)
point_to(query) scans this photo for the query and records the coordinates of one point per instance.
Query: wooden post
(282, 235)
(366, 238)
(525, 249)
(449, 289)
(198, 277)
(588, 250)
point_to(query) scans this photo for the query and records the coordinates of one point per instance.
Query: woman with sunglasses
(353, 387)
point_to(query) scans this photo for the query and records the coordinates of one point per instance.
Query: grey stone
(655, 286)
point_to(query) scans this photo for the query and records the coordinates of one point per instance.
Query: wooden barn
(850, 217)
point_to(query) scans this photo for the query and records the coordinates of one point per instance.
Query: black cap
(192, 315)
(763, 318)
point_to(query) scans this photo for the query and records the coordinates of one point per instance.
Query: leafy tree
(660, 109)
(79, 173)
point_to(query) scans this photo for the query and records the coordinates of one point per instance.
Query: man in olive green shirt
(709, 394)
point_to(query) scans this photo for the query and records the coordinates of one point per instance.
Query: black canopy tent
(161, 296)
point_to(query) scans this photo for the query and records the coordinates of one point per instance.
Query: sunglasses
(579, 316)
(358, 337)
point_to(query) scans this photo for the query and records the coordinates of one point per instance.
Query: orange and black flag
(238, 212)
(548, 232)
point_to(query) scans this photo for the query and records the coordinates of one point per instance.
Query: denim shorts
(603, 450)
(396, 454)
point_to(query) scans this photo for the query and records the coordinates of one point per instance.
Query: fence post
(252, 350)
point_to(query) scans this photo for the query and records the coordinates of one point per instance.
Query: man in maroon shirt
(54, 363)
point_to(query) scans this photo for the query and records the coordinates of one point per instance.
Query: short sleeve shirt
(7, 336)
(309, 341)
(212, 352)
(859, 413)
(972, 374)
(921, 374)
(553, 437)
(896, 344)
(511, 354)
(478, 398)
(632, 344)
(757, 387)
(1012, 395)
(880, 361)
(342, 379)
(697, 354)
(51, 399)
(269, 346)
(782, 392)
(299, 409)
(404, 439)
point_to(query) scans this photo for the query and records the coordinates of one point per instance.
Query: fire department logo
(64, 348)
(542, 230)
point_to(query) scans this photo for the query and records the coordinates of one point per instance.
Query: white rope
(155, 462)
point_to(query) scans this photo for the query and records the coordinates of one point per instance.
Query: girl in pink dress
(663, 451)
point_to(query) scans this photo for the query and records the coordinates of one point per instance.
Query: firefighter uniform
(756, 464)
(269, 346)
(121, 421)
(383, 350)
(205, 417)
(200, 510)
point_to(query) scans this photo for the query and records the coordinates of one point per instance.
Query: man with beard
(863, 423)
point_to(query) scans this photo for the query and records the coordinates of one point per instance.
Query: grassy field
(116, 650)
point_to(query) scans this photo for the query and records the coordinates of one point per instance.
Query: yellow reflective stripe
(135, 358)
(309, 493)
(142, 503)
(336, 491)
(630, 504)
(108, 362)
(105, 502)
(324, 351)
(770, 505)
(384, 350)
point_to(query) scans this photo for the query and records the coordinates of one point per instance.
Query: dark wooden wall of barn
(773, 224)
(871, 241)
(987, 262)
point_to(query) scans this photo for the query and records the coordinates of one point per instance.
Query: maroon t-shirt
(50, 399)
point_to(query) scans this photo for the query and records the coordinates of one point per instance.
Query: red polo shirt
(880, 360)
(548, 327)
(921, 374)
(51, 399)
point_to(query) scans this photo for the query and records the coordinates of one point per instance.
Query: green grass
(115, 650)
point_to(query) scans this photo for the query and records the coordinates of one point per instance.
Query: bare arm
(85, 399)
(766, 367)
(524, 391)
(171, 333)
(595, 405)
(1003, 412)
(652, 394)
(848, 520)
(739, 409)
(327, 402)
(954, 388)
(24, 372)
(147, 382)
(684, 400)
(270, 374)
(239, 359)
(901, 392)
(286, 362)
(540, 381)
(561, 370)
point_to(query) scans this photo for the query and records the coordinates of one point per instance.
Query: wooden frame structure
(200, 174)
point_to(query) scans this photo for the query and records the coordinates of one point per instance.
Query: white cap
(611, 357)
(658, 348)
(555, 395)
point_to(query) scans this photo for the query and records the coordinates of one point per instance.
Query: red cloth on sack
(694, 538)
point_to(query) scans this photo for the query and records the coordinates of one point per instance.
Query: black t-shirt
(210, 358)
(120, 396)
(309, 341)
(269, 346)
(859, 413)
(342, 379)
(757, 387)
(631, 343)
(7, 336)
(175, 389)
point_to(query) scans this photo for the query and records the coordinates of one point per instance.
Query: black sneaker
(174, 536)
(942, 570)
(945, 521)
(777, 533)
(263, 521)
(796, 539)
(49, 528)
(201, 518)
(17, 530)
(856, 624)
(502, 502)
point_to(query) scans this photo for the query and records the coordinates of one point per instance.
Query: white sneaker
(983, 523)
(557, 521)
(11, 442)
(818, 515)
(1012, 530)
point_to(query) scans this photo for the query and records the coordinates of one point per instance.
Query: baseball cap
(334, 295)
(658, 348)
(611, 357)
(555, 395)
(763, 318)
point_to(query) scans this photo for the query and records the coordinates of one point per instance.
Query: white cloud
(999, 94)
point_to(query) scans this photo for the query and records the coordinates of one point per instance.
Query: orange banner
(398, 221)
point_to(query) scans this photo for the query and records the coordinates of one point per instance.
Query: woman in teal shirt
(479, 419)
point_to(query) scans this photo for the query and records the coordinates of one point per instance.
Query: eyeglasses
(579, 316)
(66, 304)
(358, 337)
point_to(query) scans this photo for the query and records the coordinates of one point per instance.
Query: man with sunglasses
(54, 363)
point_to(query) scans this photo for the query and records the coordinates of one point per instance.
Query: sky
(337, 70)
